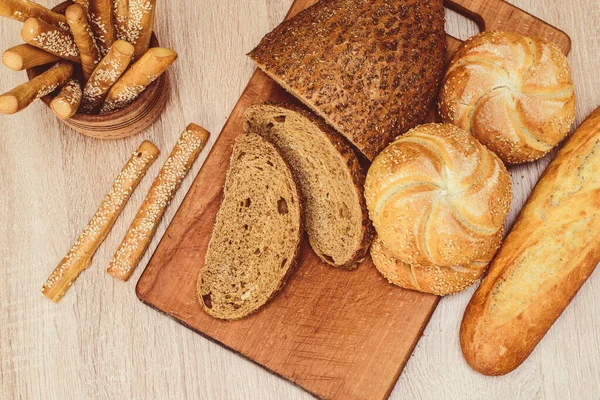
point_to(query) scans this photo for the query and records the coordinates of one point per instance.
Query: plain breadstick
(26, 56)
(83, 37)
(21, 10)
(80, 256)
(66, 103)
(137, 78)
(143, 227)
(140, 24)
(43, 84)
(47, 37)
(105, 75)
(121, 18)
(101, 20)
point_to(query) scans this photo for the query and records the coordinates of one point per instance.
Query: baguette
(21, 10)
(552, 250)
(26, 56)
(42, 35)
(40, 86)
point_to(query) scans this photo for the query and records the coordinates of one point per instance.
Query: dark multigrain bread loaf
(256, 237)
(369, 67)
(330, 177)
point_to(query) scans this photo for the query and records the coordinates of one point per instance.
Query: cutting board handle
(498, 14)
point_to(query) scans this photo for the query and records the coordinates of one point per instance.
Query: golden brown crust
(108, 71)
(66, 103)
(358, 178)
(80, 256)
(370, 70)
(40, 86)
(21, 10)
(84, 39)
(513, 93)
(552, 249)
(26, 56)
(441, 281)
(144, 225)
(101, 20)
(137, 78)
(436, 196)
(47, 37)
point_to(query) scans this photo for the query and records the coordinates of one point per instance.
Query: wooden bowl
(125, 122)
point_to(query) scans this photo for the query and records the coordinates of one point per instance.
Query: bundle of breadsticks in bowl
(96, 63)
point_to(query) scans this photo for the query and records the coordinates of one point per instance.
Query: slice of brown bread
(330, 177)
(256, 238)
(369, 67)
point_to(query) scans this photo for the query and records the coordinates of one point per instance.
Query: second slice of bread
(257, 233)
(330, 177)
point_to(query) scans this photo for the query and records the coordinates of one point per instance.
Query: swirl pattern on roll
(513, 93)
(436, 196)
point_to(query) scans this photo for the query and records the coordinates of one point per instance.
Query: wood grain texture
(101, 342)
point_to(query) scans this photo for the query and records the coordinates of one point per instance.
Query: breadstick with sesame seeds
(49, 38)
(80, 256)
(21, 10)
(26, 56)
(107, 72)
(43, 84)
(121, 18)
(137, 78)
(66, 103)
(144, 225)
(84, 39)
(101, 20)
(140, 24)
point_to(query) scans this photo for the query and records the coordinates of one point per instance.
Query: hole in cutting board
(459, 26)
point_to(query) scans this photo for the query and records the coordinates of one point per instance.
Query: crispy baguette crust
(356, 172)
(513, 93)
(369, 67)
(551, 251)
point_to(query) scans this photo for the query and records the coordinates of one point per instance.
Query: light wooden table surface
(100, 342)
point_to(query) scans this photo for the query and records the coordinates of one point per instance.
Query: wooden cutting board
(335, 333)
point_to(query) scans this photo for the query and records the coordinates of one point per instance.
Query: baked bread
(256, 237)
(370, 68)
(441, 281)
(330, 177)
(436, 196)
(513, 93)
(551, 251)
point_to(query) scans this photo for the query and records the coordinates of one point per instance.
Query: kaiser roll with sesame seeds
(513, 93)
(370, 68)
(438, 198)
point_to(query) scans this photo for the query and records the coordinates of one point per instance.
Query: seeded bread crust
(354, 168)
(370, 68)
(221, 278)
